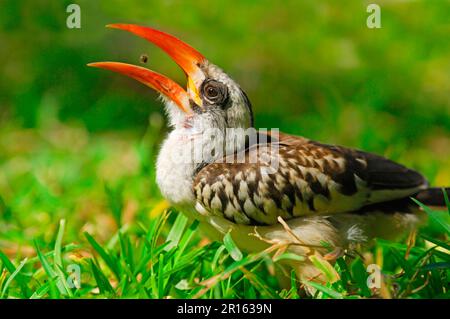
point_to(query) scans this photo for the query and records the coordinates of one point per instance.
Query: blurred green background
(70, 135)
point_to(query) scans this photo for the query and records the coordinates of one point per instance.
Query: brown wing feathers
(377, 171)
(312, 178)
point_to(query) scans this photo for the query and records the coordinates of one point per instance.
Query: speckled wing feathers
(312, 178)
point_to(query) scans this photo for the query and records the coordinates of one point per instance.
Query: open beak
(184, 55)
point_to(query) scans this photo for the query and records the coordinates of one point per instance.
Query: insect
(143, 58)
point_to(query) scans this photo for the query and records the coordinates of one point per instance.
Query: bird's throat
(183, 154)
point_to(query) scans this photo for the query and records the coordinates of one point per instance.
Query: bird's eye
(215, 92)
(212, 92)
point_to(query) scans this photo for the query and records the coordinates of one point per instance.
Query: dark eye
(215, 92)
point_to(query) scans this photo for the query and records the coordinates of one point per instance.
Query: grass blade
(436, 241)
(13, 275)
(289, 256)
(189, 233)
(102, 281)
(62, 283)
(20, 278)
(434, 216)
(45, 264)
(58, 243)
(40, 292)
(176, 231)
(161, 276)
(110, 262)
(325, 267)
(328, 291)
(231, 247)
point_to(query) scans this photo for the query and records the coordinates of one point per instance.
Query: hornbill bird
(318, 197)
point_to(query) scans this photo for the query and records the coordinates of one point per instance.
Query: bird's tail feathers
(433, 196)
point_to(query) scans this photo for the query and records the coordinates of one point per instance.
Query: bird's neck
(182, 155)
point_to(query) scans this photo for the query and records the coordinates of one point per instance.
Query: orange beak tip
(121, 26)
(95, 64)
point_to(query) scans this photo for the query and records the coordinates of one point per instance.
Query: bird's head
(211, 99)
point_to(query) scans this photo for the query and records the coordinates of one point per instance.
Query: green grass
(167, 260)
(70, 208)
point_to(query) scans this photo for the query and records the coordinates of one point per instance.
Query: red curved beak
(156, 81)
(184, 55)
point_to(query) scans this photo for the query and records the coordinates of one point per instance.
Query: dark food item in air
(143, 58)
